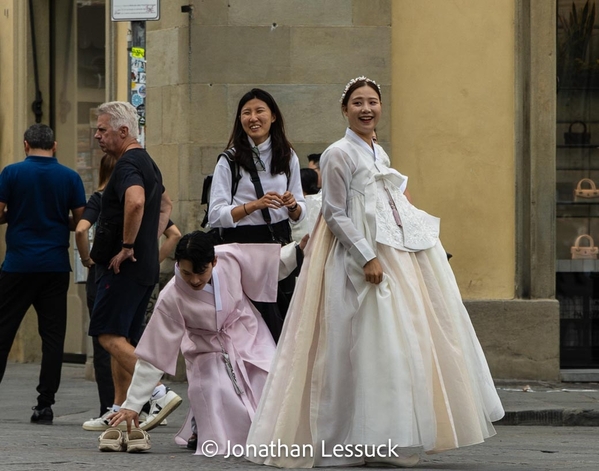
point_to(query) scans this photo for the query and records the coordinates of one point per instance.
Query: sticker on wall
(136, 99)
(138, 52)
(138, 64)
(137, 76)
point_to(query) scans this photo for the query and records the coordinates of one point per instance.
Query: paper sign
(135, 10)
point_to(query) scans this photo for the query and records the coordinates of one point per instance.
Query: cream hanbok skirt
(396, 364)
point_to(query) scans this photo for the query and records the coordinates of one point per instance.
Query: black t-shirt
(136, 167)
(93, 208)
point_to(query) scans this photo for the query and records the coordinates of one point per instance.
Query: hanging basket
(585, 252)
(577, 134)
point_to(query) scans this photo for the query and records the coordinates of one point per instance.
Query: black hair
(39, 136)
(198, 248)
(309, 178)
(281, 148)
(315, 158)
(359, 84)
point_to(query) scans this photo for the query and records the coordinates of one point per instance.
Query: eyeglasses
(260, 166)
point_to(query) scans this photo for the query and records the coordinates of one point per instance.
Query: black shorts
(120, 306)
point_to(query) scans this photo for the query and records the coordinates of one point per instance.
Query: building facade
(469, 114)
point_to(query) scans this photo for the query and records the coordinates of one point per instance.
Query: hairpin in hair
(362, 78)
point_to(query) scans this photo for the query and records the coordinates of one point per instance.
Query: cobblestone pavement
(66, 446)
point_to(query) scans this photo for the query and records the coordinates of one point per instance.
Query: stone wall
(304, 53)
(520, 338)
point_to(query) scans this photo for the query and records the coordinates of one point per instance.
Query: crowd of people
(320, 311)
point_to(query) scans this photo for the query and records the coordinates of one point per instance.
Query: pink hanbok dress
(210, 326)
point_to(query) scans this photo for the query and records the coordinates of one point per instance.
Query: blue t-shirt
(39, 194)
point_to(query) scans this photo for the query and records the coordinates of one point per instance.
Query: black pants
(102, 366)
(47, 292)
(279, 233)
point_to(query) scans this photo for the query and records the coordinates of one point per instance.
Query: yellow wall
(13, 53)
(122, 56)
(453, 130)
(13, 85)
(7, 33)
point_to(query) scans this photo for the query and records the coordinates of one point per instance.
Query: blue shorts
(120, 307)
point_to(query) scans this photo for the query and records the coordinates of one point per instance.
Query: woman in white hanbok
(378, 358)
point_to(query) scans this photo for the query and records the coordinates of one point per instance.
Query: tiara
(358, 79)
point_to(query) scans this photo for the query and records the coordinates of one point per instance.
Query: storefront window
(577, 176)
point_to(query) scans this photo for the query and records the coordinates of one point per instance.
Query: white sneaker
(101, 423)
(160, 409)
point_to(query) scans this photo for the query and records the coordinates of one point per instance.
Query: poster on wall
(135, 10)
(138, 89)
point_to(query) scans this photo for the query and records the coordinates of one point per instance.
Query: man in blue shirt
(36, 196)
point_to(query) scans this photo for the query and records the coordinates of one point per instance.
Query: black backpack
(229, 154)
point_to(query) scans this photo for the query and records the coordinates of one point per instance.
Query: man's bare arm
(166, 206)
(75, 217)
(135, 199)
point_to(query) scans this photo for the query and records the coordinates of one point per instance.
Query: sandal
(112, 439)
(138, 440)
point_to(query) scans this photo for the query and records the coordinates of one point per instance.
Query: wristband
(127, 246)
(292, 208)
(246, 211)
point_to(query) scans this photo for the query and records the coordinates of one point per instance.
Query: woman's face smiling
(363, 112)
(196, 280)
(256, 119)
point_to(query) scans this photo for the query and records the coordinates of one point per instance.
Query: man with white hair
(135, 210)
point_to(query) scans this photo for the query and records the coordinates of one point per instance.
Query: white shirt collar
(216, 289)
(264, 147)
(352, 136)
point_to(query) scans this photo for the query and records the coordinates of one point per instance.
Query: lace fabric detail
(419, 230)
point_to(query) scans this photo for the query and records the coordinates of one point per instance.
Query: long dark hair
(281, 148)
(106, 167)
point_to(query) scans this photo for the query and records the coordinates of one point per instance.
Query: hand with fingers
(288, 199)
(129, 416)
(271, 200)
(124, 254)
(302, 244)
(373, 271)
(293, 208)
